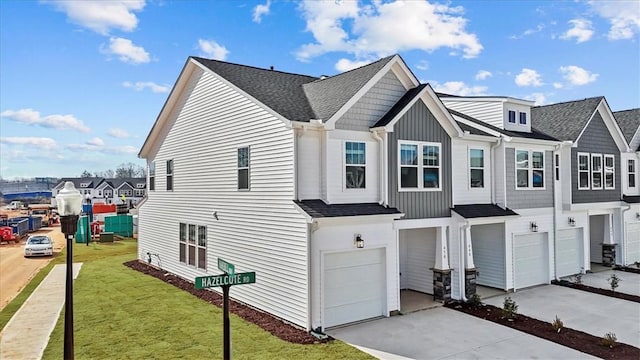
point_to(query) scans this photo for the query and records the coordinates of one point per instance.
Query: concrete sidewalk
(27, 333)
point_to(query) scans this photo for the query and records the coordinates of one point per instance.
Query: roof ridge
(253, 67)
(570, 101)
(619, 111)
(354, 69)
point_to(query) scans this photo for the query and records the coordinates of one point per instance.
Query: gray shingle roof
(564, 121)
(534, 134)
(629, 122)
(399, 105)
(318, 209)
(482, 210)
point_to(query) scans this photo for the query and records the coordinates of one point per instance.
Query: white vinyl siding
(463, 193)
(309, 160)
(490, 112)
(255, 229)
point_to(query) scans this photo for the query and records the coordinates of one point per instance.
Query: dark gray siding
(418, 124)
(528, 199)
(595, 139)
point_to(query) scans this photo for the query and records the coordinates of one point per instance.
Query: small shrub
(475, 300)
(509, 309)
(614, 281)
(557, 324)
(609, 340)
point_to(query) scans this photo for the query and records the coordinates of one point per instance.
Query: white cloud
(118, 133)
(102, 16)
(528, 32)
(32, 117)
(581, 30)
(483, 74)
(126, 51)
(624, 17)
(96, 141)
(141, 85)
(384, 28)
(458, 88)
(43, 143)
(345, 64)
(260, 10)
(126, 149)
(528, 77)
(539, 98)
(576, 75)
(558, 85)
(423, 65)
(212, 49)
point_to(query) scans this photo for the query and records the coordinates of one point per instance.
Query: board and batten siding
(419, 124)
(596, 138)
(373, 105)
(257, 230)
(528, 198)
(463, 192)
(490, 112)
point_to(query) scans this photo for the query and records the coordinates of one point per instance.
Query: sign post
(225, 281)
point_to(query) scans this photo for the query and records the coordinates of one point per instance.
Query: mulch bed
(574, 339)
(275, 326)
(596, 290)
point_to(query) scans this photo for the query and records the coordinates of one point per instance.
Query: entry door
(530, 260)
(569, 253)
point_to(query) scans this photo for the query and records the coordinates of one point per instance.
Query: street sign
(226, 279)
(226, 266)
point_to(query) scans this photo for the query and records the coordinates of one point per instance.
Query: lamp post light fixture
(69, 203)
(359, 241)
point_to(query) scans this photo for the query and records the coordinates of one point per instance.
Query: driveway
(629, 282)
(442, 333)
(580, 310)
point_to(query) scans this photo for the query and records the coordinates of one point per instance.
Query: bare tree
(85, 174)
(130, 170)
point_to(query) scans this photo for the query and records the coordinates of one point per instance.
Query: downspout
(385, 174)
(555, 210)
(623, 248)
(494, 167)
(381, 171)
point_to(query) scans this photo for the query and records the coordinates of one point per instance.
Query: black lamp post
(69, 203)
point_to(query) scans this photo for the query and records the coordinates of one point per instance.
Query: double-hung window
(512, 116)
(631, 166)
(202, 247)
(596, 171)
(152, 176)
(420, 166)
(355, 165)
(529, 169)
(243, 168)
(609, 172)
(182, 252)
(170, 174)
(191, 252)
(523, 118)
(584, 171)
(476, 168)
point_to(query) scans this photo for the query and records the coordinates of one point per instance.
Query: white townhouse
(99, 190)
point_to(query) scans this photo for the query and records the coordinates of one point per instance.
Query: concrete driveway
(442, 333)
(629, 282)
(580, 310)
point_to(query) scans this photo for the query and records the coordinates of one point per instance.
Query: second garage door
(569, 250)
(354, 286)
(530, 260)
(633, 242)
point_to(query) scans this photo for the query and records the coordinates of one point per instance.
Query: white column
(442, 253)
(468, 254)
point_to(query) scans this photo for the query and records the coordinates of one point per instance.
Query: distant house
(107, 191)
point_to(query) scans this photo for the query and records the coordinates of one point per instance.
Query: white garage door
(569, 253)
(530, 260)
(489, 254)
(417, 258)
(354, 286)
(633, 242)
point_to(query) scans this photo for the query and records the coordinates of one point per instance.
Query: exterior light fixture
(572, 221)
(359, 241)
(69, 203)
(638, 215)
(534, 226)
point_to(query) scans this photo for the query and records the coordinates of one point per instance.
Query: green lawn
(121, 313)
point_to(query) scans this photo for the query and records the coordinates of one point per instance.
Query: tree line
(128, 170)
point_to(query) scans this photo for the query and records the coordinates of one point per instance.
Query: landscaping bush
(509, 308)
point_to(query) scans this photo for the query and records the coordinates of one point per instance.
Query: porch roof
(631, 199)
(482, 210)
(318, 209)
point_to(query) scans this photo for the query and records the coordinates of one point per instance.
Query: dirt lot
(16, 270)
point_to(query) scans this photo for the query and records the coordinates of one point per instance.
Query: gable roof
(534, 134)
(566, 120)
(629, 122)
(398, 106)
(92, 181)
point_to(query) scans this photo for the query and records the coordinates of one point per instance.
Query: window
(202, 247)
(108, 193)
(84, 185)
(182, 253)
(191, 252)
(140, 185)
(243, 168)
(529, 169)
(631, 166)
(583, 171)
(596, 171)
(512, 116)
(191, 242)
(609, 172)
(419, 166)
(476, 168)
(557, 165)
(152, 176)
(523, 118)
(170, 174)
(355, 161)
(139, 192)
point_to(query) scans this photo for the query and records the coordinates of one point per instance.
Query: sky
(82, 82)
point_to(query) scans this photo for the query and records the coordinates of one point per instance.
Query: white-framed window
(596, 171)
(192, 244)
(609, 172)
(631, 171)
(202, 247)
(139, 192)
(476, 168)
(523, 118)
(584, 171)
(169, 174)
(84, 185)
(512, 116)
(140, 185)
(420, 166)
(152, 176)
(529, 169)
(108, 193)
(243, 168)
(355, 162)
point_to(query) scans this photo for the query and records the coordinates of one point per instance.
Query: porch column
(470, 271)
(441, 270)
(442, 253)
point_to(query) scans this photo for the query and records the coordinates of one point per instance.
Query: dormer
(500, 111)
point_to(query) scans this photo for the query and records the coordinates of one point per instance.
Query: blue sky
(82, 82)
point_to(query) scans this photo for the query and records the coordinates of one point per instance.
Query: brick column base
(608, 254)
(470, 282)
(441, 285)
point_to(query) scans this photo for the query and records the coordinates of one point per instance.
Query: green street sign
(226, 266)
(226, 279)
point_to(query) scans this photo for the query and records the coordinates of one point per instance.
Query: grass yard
(120, 313)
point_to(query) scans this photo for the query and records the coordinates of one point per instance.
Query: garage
(530, 260)
(633, 242)
(569, 252)
(354, 286)
(489, 254)
(417, 259)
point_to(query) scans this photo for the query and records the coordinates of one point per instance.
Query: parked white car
(38, 245)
